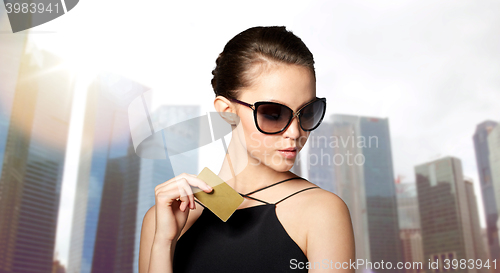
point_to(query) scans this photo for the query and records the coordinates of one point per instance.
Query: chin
(283, 167)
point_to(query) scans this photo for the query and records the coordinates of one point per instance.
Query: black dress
(251, 240)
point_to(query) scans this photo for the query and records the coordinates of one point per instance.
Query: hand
(172, 198)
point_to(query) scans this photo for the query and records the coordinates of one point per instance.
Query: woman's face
(291, 85)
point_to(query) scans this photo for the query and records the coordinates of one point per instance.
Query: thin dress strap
(296, 193)
(247, 195)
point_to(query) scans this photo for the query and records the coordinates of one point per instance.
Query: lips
(291, 149)
(289, 153)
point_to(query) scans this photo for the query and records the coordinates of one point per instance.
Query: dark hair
(257, 45)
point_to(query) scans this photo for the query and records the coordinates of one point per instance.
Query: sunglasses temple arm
(243, 103)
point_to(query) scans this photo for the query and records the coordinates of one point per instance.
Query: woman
(264, 76)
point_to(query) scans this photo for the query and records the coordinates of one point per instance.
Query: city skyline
(429, 68)
(121, 133)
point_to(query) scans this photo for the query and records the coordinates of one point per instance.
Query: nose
(293, 129)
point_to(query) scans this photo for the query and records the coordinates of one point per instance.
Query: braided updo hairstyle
(237, 65)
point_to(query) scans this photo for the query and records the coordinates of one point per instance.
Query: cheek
(256, 142)
(263, 148)
(252, 136)
(259, 145)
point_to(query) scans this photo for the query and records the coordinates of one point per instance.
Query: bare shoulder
(147, 237)
(150, 212)
(148, 226)
(324, 203)
(149, 218)
(316, 204)
(329, 229)
(317, 199)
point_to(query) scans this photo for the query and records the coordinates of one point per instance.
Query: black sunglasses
(273, 118)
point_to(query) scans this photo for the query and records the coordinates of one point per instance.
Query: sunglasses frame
(256, 105)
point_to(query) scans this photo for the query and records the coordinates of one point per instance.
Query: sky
(430, 67)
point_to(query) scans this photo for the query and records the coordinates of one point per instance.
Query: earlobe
(224, 107)
(226, 116)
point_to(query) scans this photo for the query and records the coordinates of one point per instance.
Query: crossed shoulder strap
(247, 195)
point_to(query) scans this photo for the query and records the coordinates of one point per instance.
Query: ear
(226, 109)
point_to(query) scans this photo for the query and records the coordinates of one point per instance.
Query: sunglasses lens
(311, 115)
(272, 118)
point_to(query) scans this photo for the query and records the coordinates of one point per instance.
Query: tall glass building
(33, 154)
(107, 176)
(320, 157)
(482, 150)
(477, 238)
(409, 226)
(444, 212)
(362, 170)
(494, 158)
(11, 51)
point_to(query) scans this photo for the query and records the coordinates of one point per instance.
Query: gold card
(223, 200)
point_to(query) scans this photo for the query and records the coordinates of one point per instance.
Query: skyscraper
(11, 51)
(409, 226)
(33, 162)
(444, 212)
(482, 150)
(364, 179)
(493, 140)
(108, 176)
(477, 239)
(320, 157)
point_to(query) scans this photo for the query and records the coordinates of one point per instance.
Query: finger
(171, 181)
(166, 183)
(183, 197)
(195, 181)
(166, 195)
(190, 178)
(189, 192)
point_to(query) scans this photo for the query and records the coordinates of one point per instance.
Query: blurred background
(410, 140)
